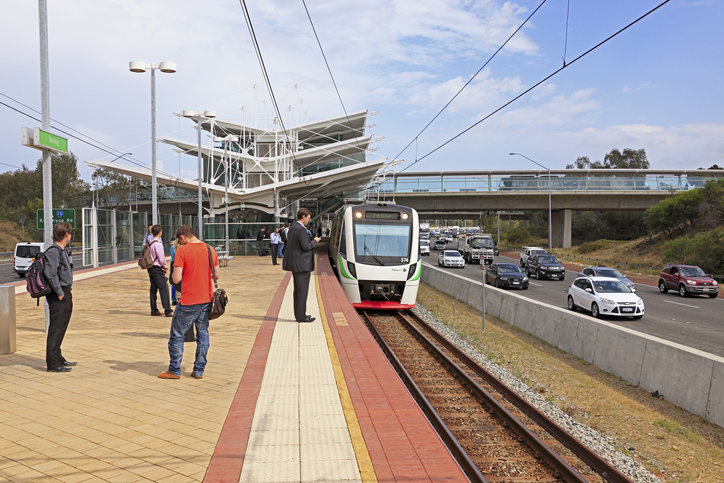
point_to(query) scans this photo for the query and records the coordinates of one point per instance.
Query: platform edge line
(364, 462)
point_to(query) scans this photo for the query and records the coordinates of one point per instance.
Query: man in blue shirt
(275, 239)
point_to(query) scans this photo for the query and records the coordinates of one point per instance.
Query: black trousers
(301, 289)
(60, 312)
(274, 253)
(158, 284)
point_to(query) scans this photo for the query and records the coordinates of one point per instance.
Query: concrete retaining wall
(687, 377)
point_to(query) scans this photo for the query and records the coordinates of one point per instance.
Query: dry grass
(671, 443)
(13, 234)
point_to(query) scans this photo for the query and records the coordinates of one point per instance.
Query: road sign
(59, 215)
(38, 139)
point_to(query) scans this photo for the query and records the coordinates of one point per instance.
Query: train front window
(382, 243)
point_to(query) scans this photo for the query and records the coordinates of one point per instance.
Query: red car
(687, 280)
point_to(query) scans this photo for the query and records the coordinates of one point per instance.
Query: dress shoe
(168, 375)
(308, 319)
(169, 314)
(69, 364)
(197, 376)
(59, 369)
(158, 312)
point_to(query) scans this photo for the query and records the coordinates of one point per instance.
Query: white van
(24, 255)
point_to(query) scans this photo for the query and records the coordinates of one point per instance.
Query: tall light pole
(209, 115)
(228, 139)
(169, 68)
(550, 219)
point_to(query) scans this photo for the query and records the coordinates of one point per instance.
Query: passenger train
(375, 250)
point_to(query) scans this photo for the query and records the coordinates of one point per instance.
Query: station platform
(280, 401)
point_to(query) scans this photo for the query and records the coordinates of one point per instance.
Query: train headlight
(405, 216)
(352, 269)
(358, 215)
(412, 270)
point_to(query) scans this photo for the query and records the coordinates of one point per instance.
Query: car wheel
(682, 290)
(571, 304)
(713, 295)
(637, 317)
(21, 275)
(594, 311)
(662, 287)
(497, 283)
(562, 278)
(537, 274)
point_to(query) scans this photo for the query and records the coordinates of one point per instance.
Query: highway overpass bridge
(438, 193)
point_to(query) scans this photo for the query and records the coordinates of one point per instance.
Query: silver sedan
(450, 258)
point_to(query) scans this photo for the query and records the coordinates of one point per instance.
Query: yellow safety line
(364, 462)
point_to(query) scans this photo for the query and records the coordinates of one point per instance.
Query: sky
(657, 85)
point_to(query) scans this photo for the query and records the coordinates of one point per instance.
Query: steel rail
(457, 451)
(543, 451)
(600, 465)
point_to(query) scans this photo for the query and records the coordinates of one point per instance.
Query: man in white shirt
(275, 239)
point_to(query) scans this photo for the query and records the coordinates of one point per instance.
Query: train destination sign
(380, 215)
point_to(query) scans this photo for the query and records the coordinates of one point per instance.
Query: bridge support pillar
(561, 228)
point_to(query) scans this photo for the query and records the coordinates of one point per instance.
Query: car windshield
(373, 240)
(692, 272)
(452, 253)
(482, 243)
(610, 286)
(27, 251)
(609, 272)
(424, 243)
(547, 259)
(508, 268)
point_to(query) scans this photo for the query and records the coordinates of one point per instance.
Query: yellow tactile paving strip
(111, 418)
(364, 462)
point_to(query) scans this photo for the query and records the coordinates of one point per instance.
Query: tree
(628, 159)
(113, 188)
(69, 189)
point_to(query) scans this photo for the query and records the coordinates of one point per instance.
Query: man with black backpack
(60, 301)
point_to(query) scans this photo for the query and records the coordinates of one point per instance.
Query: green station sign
(47, 140)
(59, 215)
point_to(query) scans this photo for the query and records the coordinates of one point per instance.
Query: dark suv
(687, 280)
(544, 265)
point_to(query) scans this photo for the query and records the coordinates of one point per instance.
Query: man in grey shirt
(60, 302)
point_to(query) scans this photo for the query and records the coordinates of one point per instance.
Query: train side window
(343, 243)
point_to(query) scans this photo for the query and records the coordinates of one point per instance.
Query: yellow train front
(375, 250)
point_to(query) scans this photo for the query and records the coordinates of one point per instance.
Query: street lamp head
(512, 154)
(210, 114)
(191, 114)
(167, 67)
(137, 66)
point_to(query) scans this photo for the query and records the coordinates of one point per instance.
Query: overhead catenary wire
(471, 79)
(565, 43)
(539, 83)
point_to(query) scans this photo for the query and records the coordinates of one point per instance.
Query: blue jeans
(183, 317)
(281, 245)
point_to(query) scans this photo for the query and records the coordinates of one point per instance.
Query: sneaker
(168, 375)
(196, 376)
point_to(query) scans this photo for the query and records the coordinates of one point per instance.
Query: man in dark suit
(299, 259)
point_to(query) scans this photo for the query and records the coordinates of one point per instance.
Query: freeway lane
(7, 275)
(696, 322)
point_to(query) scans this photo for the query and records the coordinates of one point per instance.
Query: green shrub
(705, 249)
(518, 235)
(594, 246)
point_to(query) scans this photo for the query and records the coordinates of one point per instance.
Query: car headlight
(608, 301)
(691, 282)
(640, 302)
(715, 282)
(504, 278)
(525, 279)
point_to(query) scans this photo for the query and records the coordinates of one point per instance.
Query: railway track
(494, 434)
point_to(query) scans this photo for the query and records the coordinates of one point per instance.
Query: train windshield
(375, 242)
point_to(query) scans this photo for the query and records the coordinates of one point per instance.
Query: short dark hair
(186, 231)
(302, 213)
(60, 230)
(155, 230)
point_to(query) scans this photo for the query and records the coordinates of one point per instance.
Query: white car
(527, 252)
(451, 258)
(425, 247)
(605, 296)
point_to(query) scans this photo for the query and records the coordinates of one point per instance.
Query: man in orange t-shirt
(193, 268)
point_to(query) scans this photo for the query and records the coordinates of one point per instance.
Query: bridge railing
(452, 183)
